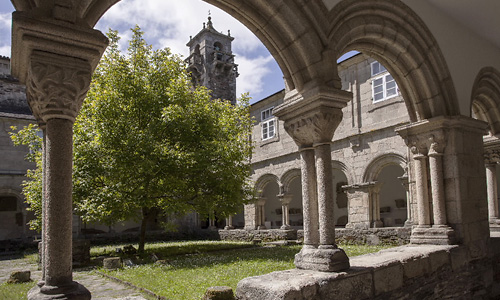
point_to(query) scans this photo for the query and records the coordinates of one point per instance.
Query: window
(268, 124)
(377, 68)
(383, 87)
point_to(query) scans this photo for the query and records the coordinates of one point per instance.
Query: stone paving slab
(101, 288)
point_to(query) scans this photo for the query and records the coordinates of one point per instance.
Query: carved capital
(312, 116)
(316, 128)
(491, 156)
(56, 85)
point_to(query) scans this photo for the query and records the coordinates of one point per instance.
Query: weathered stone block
(354, 286)
(438, 260)
(112, 263)
(388, 278)
(19, 277)
(219, 293)
(415, 266)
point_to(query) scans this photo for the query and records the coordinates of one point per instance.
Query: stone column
(491, 181)
(491, 160)
(309, 198)
(285, 217)
(229, 223)
(261, 213)
(437, 185)
(420, 164)
(55, 92)
(374, 199)
(325, 196)
(310, 119)
(406, 184)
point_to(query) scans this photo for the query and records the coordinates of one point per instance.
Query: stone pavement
(100, 287)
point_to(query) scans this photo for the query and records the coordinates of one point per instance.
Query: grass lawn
(187, 276)
(15, 291)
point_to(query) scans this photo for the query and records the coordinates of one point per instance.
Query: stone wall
(406, 272)
(371, 236)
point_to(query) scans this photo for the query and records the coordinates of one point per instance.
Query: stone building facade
(369, 160)
(14, 111)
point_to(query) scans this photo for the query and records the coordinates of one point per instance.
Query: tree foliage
(146, 140)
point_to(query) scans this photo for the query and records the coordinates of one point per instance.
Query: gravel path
(100, 287)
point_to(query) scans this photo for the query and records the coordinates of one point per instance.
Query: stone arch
(263, 180)
(293, 32)
(394, 34)
(485, 98)
(288, 177)
(377, 164)
(8, 192)
(342, 167)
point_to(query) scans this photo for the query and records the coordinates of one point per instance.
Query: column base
(72, 291)
(494, 221)
(377, 224)
(228, 227)
(285, 227)
(435, 235)
(324, 260)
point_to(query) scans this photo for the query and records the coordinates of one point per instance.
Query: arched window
(218, 50)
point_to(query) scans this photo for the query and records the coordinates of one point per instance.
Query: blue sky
(169, 24)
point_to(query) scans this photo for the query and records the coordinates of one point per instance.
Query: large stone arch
(293, 32)
(394, 34)
(377, 164)
(485, 98)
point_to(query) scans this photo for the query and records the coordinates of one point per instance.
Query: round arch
(338, 165)
(288, 177)
(394, 34)
(485, 98)
(265, 179)
(293, 33)
(377, 164)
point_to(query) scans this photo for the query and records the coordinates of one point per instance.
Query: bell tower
(211, 62)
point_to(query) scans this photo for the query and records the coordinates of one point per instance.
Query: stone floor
(100, 287)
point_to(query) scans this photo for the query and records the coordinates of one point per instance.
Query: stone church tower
(211, 62)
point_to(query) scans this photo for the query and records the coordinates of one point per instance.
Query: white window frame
(268, 124)
(385, 88)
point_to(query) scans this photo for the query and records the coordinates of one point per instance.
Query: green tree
(146, 141)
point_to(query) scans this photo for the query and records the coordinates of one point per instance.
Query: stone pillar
(491, 160)
(310, 119)
(374, 199)
(56, 60)
(55, 91)
(437, 185)
(362, 206)
(285, 217)
(420, 166)
(448, 153)
(325, 196)
(309, 202)
(491, 181)
(229, 223)
(406, 184)
(261, 213)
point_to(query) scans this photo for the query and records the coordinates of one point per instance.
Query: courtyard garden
(184, 270)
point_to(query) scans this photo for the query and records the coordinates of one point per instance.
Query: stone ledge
(370, 276)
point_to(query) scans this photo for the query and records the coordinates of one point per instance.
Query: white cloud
(252, 72)
(169, 24)
(5, 50)
(5, 21)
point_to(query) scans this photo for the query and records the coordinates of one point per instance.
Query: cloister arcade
(434, 51)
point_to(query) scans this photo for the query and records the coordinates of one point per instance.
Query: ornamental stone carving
(57, 85)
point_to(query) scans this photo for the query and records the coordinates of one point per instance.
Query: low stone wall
(263, 235)
(405, 272)
(372, 236)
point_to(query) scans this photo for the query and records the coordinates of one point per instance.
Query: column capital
(285, 199)
(56, 85)
(312, 117)
(491, 150)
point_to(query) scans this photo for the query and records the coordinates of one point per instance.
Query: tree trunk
(144, 223)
